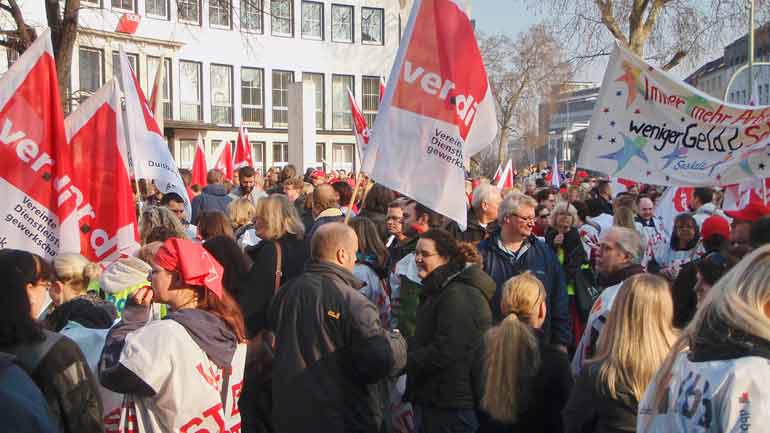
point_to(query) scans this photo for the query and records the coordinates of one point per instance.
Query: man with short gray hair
(512, 250)
(620, 254)
(482, 216)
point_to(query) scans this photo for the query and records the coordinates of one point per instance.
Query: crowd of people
(290, 303)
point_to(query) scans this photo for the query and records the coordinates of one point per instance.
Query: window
(280, 154)
(318, 82)
(372, 26)
(342, 23)
(320, 152)
(92, 3)
(133, 59)
(252, 96)
(251, 15)
(312, 20)
(258, 154)
(90, 68)
(152, 68)
(187, 153)
(190, 91)
(219, 13)
(189, 11)
(341, 118)
(342, 157)
(222, 94)
(156, 8)
(281, 81)
(127, 5)
(282, 14)
(215, 145)
(370, 98)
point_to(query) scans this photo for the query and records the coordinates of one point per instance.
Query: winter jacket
(332, 354)
(305, 214)
(591, 408)
(22, 406)
(254, 195)
(444, 367)
(331, 215)
(213, 198)
(374, 278)
(58, 368)
(546, 396)
(539, 259)
(570, 254)
(182, 372)
(719, 385)
(255, 298)
(474, 232)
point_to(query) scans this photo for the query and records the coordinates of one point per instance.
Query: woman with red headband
(183, 373)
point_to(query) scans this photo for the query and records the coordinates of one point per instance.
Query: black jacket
(444, 367)
(548, 394)
(474, 232)
(590, 408)
(255, 297)
(331, 356)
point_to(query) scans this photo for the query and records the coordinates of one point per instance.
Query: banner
(243, 156)
(650, 127)
(96, 136)
(40, 206)
(148, 153)
(437, 111)
(674, 201)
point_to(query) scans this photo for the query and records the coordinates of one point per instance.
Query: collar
(516, 255)
(331, 212)
(617, 277)
(335, 270)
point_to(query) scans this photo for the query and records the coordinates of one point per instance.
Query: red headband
(196, 266)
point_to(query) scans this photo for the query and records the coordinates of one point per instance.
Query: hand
(143, 296)
(559, 239)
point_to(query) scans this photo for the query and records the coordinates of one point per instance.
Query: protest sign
(650, 127)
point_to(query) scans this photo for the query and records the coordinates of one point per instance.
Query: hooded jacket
(444, 367)
(331, 215)
(539, 259)
(474, 232)
(213, 198)
(332, 354)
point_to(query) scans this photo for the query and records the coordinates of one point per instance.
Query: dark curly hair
(458, 253)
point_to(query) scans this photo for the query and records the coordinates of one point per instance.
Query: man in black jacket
(482, 216)
(332, 352)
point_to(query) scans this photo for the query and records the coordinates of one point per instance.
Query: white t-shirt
(188, 385)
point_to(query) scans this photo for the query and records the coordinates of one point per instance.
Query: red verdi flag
(199, 169)
(96, 136)
(360, 127)
(437, 110)
(243, 150)
(225, 161)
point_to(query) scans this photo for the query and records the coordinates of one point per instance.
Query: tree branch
(26, 37)
(681, 54)
(605, 8)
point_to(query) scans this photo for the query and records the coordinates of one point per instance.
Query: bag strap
(278, 266)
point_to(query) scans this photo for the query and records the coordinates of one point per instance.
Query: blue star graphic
(631, 148)
(744, 165)
(678, 153)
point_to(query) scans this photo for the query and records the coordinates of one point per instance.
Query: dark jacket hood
(468, 274)
(334, 270)
(210, 333)
(215, 189)
(719, 342)
(617, 277)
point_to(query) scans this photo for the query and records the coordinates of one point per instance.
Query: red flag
(156, 104)
(506, 177)
(360, 127)
(40, 203)
(382, 88)
(95, 133)
(128, 23)
(225, 161)
(243, 150)
(199, 170)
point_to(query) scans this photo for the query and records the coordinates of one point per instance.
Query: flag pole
(353, 197)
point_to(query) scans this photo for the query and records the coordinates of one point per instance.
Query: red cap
(752, 212)
(582, 173)
(715, 225)
(317, 173)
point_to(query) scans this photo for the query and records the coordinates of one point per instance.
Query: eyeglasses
(525, 219)
(423, 254)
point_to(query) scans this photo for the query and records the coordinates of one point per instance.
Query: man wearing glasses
(514, 249)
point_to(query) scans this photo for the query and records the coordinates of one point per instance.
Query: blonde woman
(716, 376)
(528, 380)
(241, 213)
(633, 344)
(76, 306)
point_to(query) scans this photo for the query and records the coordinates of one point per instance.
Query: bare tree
(663, 31)
(520, 73)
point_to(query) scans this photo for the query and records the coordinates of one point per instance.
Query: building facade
(229, 63)
(564, 119)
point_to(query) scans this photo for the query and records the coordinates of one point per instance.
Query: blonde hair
(147, 252)
(512, 352)
(241, 212)
(564, 208)
(157, 216)
(511, 204)
(279, 217)
(735, 304)
(637, 336)
(624, 217)
(75, 271)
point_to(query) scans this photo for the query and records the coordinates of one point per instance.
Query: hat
(752, 212)
(317, 173)
(124, 273)
(715, 225)
(195, 265)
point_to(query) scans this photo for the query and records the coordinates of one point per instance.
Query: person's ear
(57, 287)
(341, 255)
(542, 312)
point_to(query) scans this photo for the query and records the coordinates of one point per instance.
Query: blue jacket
(213, 198)
(543, 263)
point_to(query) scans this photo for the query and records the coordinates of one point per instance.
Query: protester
(513, 250)
(375, 207)
(125, 276)
(620, 255)
(332, 352)
(175, 203)
(546, 198)
(344, 193)
(155, 216)
(633, 344)
(213, 197)
(588, 230)
(760, 232)
(710, 268)
(249, 185)
(683, 247)
(528, 380)
(214, 223)
(542, 221)
(325, 208)
(184, 370)
(721, 357)
(395, 226)
(444, 364)
(241, 214)
(603, 195)
(702, 206)
(235, 264)
(53, 361)
(286, 173)
(371, 267)
(742, 220)
(482, 215)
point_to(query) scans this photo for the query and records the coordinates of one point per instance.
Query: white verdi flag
(148, 152)
(437, 111)
(651, 127)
